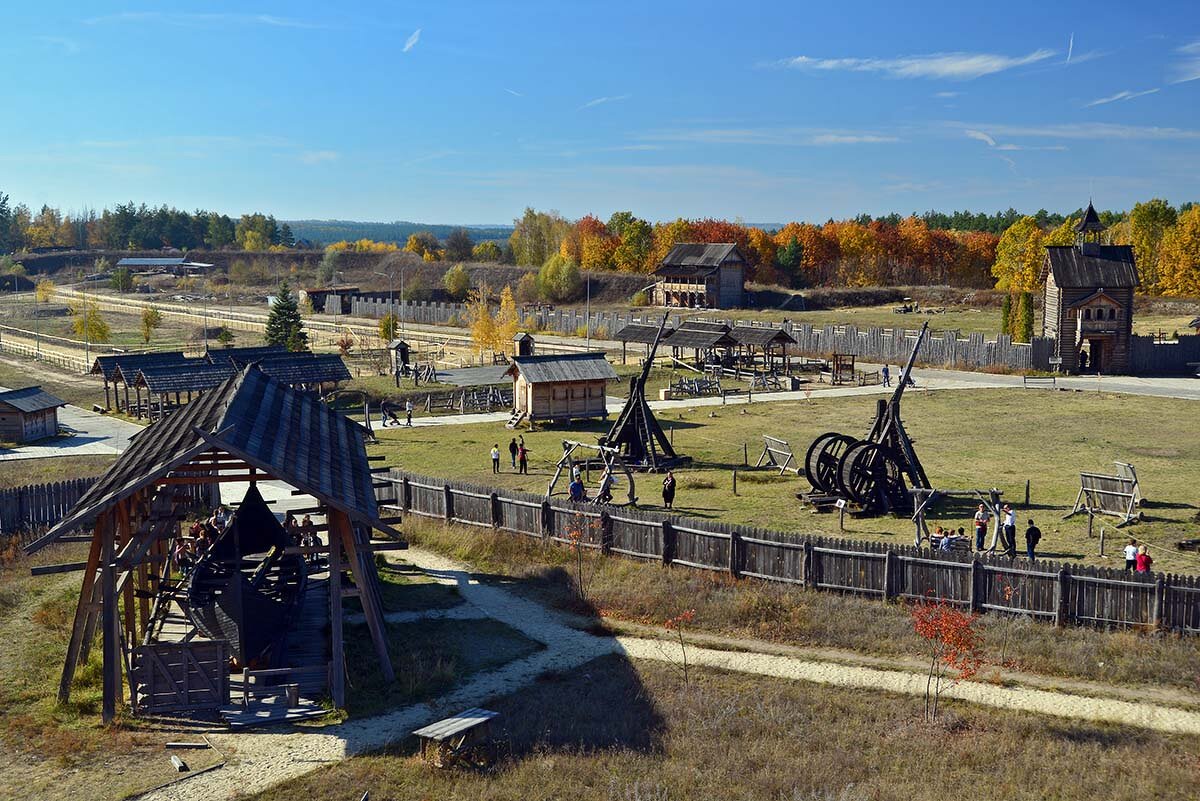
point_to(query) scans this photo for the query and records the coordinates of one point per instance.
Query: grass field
(965, 438)
(619, 730)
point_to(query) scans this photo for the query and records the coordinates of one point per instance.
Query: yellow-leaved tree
(88, 323)
(1019, 256)
(507, 320)
(1179, 256)
(479, 313)
(44, 291)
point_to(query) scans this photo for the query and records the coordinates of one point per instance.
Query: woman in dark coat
(669, 490)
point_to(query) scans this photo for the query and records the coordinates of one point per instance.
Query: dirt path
(257, 761)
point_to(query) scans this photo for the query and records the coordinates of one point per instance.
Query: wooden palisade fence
(1051, 591)
(34, 506)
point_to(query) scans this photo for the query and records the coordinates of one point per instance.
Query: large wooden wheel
(821, 461)
(867, 472)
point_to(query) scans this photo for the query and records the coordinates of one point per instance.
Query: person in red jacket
(1144, 560)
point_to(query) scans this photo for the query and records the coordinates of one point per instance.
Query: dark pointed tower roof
(1090, 222)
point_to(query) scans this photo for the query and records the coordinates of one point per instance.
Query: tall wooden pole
(111, 623)
(337, 667)
(83, 610)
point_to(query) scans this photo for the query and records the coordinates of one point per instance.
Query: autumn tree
(635, 248)
(1148, 224)
(537, 236)
(327, 268)
(457, 282)
(487, 251)
(88, 323)
(479, 316)
(122, 279)
(559, 279)
(1179, 256)
(389, 327)
(1019, 256)
(151, 320)
(44, 291)
(953, 647)
(508, 322)
(422, 243)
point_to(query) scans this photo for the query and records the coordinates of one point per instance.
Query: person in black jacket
(1033, 535)
(669, 490)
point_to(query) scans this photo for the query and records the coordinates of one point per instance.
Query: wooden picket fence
(25, 510)
(1053, 591)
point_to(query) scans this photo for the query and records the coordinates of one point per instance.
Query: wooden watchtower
(1087, 300)
(252, 428)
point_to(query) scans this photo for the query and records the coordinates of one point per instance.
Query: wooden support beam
(216, 479)
(67, 567)
(111, 624)
(362, 566)
(75, 644)
(337, 667)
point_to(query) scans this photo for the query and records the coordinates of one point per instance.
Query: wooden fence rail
(1052, 591)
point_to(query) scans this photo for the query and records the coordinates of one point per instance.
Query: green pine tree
(284, 324)
(1025, 322)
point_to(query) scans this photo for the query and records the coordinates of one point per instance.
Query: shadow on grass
(404, 588)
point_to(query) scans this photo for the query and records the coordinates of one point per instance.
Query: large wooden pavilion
(251, 428)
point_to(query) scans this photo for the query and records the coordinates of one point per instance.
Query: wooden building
(28, 414)
(710, 342)
(329, 299)
(701, 276)
(1087, 301)
(252, 428)
(561, 387)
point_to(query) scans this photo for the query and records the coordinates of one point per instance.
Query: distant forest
(329, 231)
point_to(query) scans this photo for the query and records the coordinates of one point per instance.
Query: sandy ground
(260, 760)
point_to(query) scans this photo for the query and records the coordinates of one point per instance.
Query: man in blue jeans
(981, 524)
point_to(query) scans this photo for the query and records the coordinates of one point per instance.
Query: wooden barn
(28, 414)
(701, 276)
(1087, 301)
(561, 387)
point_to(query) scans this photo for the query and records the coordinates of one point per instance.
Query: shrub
(527, 288)
(457, 282)
(640, 298)
(559, 279)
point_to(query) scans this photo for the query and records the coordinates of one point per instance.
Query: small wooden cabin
(1088, 300)
(701, 276)
(28, 414)
(522, 344)
(561, 387)
(330, 299)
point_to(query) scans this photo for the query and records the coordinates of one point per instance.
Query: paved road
(94, 435)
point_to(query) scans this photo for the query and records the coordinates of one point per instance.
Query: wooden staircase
(515, 419)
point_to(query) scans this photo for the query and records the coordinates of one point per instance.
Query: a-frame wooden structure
(251, 428)
(636, 434)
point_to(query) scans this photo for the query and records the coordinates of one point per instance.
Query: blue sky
(468, 112)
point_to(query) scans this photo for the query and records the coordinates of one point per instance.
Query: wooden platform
(269, 712)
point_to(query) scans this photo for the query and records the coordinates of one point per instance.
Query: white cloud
(68, 46)
(981, 136)
(412, 40)
(202, 20)
(513, 92)
(1070, 46)
(947, 95)
(1188, 67)
(601, 100)
(851, 139)
(1092, 130)
(951, 66)
(319, 156)
(785, 137)
(1125, 95)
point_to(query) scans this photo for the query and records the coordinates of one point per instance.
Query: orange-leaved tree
(952, 644)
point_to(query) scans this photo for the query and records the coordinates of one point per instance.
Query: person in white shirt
(981, 523)
(496, 458)
(1010, 531)
(1131, 552)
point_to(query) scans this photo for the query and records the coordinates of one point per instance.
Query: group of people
(304, 534)
(387, 414)
(1137, 557)
(946, 539)
(201, 536)
(518, 454)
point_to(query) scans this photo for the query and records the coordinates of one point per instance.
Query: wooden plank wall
(1056, 592)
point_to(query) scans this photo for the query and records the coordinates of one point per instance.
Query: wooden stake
(111, 623)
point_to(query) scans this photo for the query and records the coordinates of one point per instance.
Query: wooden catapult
(636, 435)
(874, 472)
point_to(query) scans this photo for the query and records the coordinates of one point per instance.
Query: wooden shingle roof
(30, 399)
(195, 375)
(1092, 266)
(761, 336)
(590, 366)
(697, 259)
(640, 332)
(124, 366)
(240, 357)
(700, 335)
(305, 367)
(288, 434)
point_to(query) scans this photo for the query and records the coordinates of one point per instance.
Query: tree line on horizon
(966, 249)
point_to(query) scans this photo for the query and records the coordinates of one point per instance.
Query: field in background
(966, 439)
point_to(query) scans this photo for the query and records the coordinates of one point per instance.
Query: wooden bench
(959, 544)
(1039, 381)
(465, 737)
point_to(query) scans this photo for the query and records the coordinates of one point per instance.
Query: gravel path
(257, 761)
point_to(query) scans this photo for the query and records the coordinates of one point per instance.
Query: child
(496, 458)
(1144, 560)
(1131, 552)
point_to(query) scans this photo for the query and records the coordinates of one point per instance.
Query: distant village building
(329, 299)
(1088, 300)
(561, 387)
(701, 276)
(28, 414)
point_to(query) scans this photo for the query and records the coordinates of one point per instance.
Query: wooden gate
(178, 677)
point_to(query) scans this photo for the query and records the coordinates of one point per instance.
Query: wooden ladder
(515, 419)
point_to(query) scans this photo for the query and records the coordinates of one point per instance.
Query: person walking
(1033, 535)
(496, 458)
(408, 413)
(309, 539)
(887, 376)
(1144, 559)
(981, 524)
(1131, 552)
(512, 451)
(522, 458)
(1010, 531)
(669, 490)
